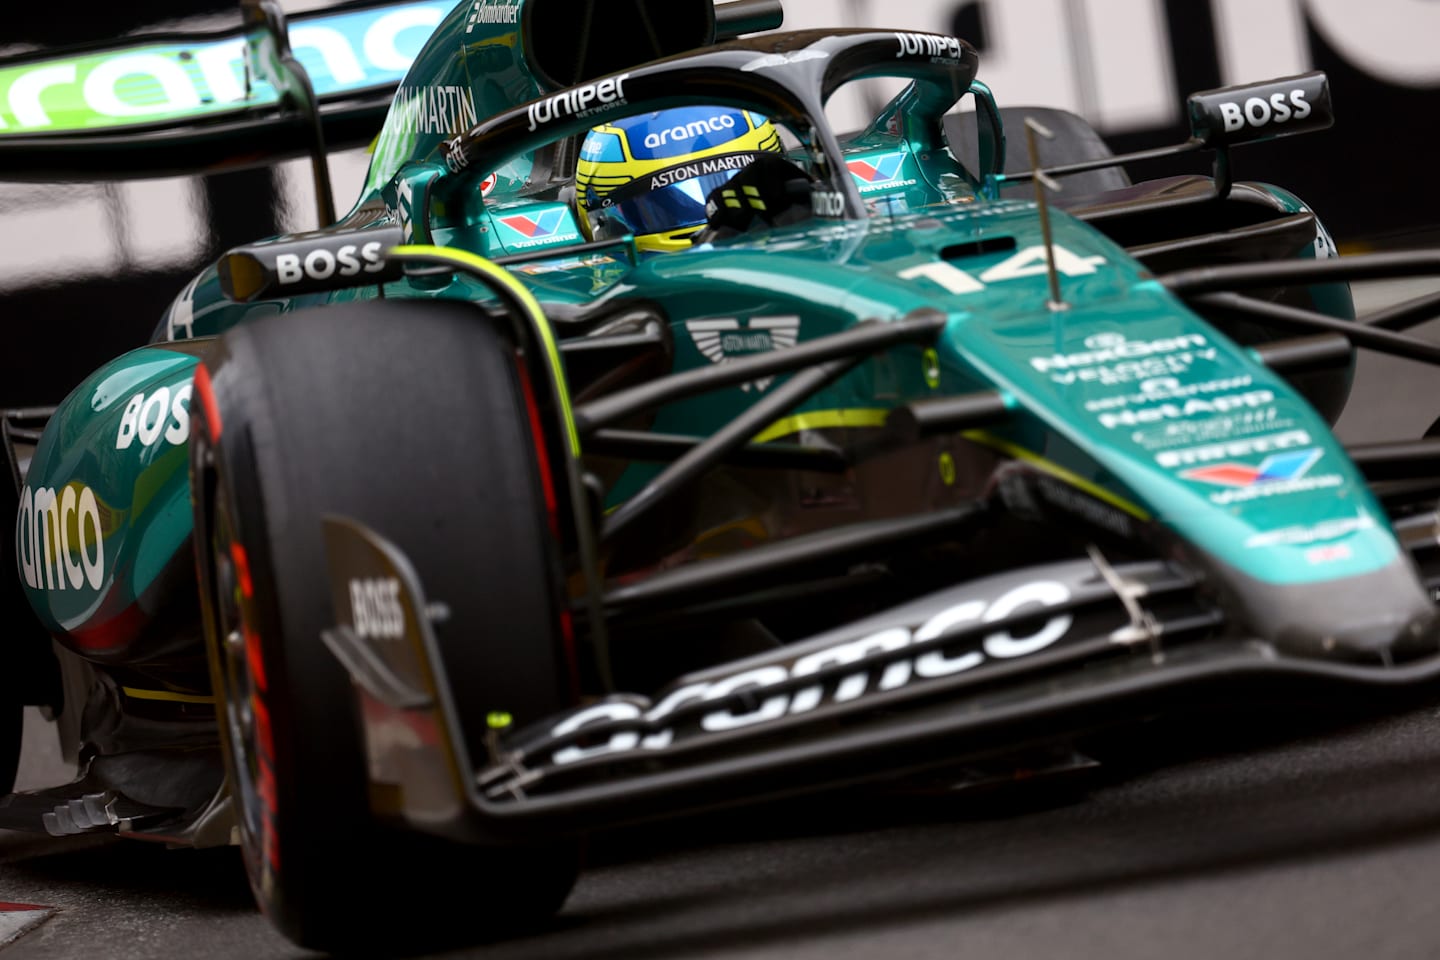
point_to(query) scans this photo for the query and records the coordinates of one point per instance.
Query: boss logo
(149, 417)
(1256, 112)
(375, 608)
(321, 264)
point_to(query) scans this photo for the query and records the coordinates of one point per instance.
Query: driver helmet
(649, 175)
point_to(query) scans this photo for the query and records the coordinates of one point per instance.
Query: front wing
(1026, 658)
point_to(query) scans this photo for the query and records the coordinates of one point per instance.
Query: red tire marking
(263, 730)
(552, 512)
(254, 659)
(206, 393)
(541, 454)
(242, 570)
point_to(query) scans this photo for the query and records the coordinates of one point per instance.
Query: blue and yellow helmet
(650, 174)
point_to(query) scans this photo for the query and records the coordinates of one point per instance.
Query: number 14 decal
(1029, 262)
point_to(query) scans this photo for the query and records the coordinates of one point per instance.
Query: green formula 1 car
(503, 509)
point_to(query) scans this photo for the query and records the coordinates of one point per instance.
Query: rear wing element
(1229, 117)
(171, 103)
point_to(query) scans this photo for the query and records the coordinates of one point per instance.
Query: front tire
(412, 418)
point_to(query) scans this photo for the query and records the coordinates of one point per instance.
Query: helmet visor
(673, 198)
(669, 208)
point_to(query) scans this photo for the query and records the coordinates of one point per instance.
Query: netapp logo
(1226, 403)
(321, 264)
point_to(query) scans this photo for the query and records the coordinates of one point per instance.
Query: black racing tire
(411, 417)
(12, 728)
(1075, 142)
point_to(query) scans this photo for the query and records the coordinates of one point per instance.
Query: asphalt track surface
(1279, 832)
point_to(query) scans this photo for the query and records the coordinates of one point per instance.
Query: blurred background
(87, 269)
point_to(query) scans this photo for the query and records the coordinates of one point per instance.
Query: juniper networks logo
(879, 173)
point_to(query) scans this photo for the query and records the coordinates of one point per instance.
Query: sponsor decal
(443, 110)
(693, 130)
(827, 203)
(783, 59)
(58, 538)
(488, 184)
(1234, 448)
(1302, 535)
(456, 159)
(561, 266)
(375, 608)
(322, 264)
(1261, 112)
(701, 168)
(584, 101)
(929, 663)
(879, 173)
(539, 229)
(1224, 403)
(723, 338)
(1214, 429)
(1281, 466)
(938, 49)
(156, 416)
(155, 81)
(1280, 473)
(1166, 388)
(492, 11)
(1113, 347)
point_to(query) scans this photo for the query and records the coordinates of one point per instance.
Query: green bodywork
(1123, 393)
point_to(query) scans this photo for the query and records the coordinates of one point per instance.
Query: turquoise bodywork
(1122, 391)
(98, 572)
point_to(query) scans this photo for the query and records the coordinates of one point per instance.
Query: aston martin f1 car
(459, 528)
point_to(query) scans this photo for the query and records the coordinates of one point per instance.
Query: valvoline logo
(536, 229)
(1291, 465)
(879, 173)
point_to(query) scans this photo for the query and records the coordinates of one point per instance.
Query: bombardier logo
(483, 11)
(723, 339)
(929, 663)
